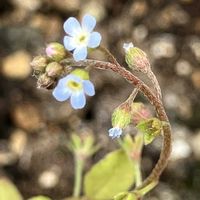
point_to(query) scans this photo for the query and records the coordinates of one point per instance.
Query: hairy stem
(155, 83)
(156, 102)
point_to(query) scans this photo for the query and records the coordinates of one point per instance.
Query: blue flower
(81, 36)
(115, 132)
(75, 88)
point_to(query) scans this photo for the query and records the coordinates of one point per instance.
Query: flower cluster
(81, 36)
(76, 84)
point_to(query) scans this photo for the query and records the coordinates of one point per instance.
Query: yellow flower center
(74, 85)
(82, 39)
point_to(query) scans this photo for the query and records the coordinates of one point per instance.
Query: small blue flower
(81, 36)
(75, 88)
(115, 132)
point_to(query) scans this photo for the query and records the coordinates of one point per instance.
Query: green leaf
(8, 191)
(151, 128)
(75, 198)
(110, 176)
(125, 196)
(39, 198)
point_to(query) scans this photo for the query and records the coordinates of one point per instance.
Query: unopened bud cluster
(47, 67)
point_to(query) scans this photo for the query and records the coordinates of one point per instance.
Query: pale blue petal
(78, 100)
(94, 40)
(88, 88)
(61, 94)
(115, 132)
(88, 23)
(80, 53)
(72, 77)
(69, 43)
(63, 81)
(72, 26)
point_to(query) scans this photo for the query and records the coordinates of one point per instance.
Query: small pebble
(18, 141)
(163, 47)
(183, 68)
(194, 44)
(27, 116)
(196, 79)
(17, 65)
(180, 149)
(49, 178)
(140, 32)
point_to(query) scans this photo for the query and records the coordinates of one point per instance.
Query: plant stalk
(79, 163)
(138, 175)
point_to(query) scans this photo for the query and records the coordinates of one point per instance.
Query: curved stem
(156, 102)
(155, 83)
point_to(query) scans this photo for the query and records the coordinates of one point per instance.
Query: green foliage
(110, 176)
(84, 146)
(125, 196)
(39, 198)
(8, 191)
(75, 198)
(132, 146)
(151, 128)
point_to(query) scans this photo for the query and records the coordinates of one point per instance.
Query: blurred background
(34, 127)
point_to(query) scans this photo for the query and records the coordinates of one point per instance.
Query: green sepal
(81, 73)
(137, 59)
(132, 56)
(121, 117)
(151, 128)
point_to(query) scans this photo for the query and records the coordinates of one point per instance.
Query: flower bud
(139, 112)
(54, 69)
(81, 73)
(39, 63)
(82, 146)
(45, 81)
(136, 58)
(55, 51)
(151, 128)
(121, 118)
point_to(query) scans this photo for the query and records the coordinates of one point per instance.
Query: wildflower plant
(65, 69)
